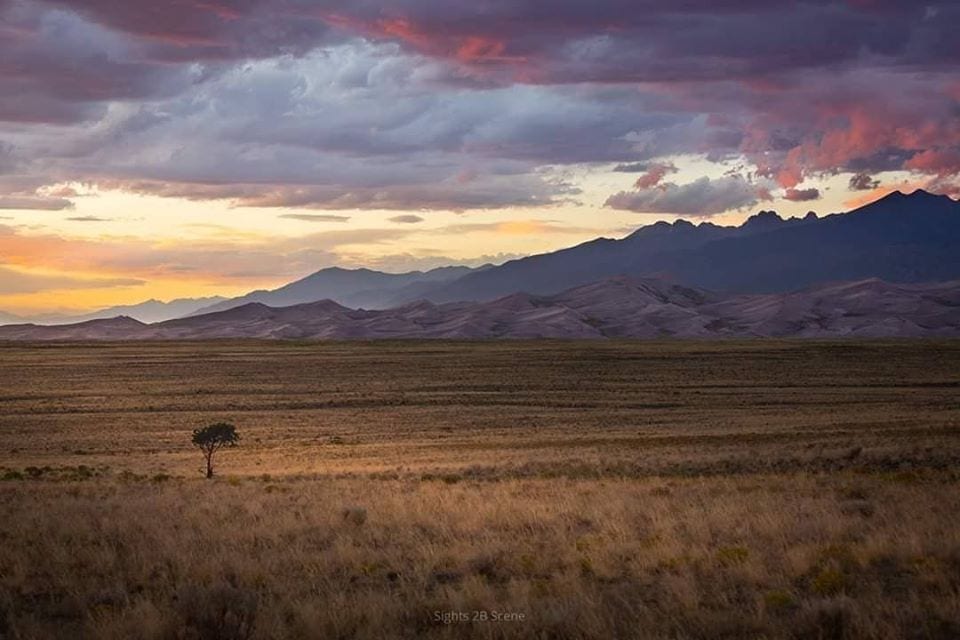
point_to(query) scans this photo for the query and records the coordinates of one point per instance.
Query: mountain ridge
(148, 311)
(765, 254)
(898, 238)
(618, 307)
(356, 287)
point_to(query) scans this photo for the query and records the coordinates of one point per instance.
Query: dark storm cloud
(59, 68)
(529, 40)
(208, 30)
(632, 167)
(397, 146)
(802, 195)
(863, 182)
(314, 104)
(651, 40)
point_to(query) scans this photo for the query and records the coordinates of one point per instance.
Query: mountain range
(353, 287)
(148, 311)
(899, 239)
(619, 307)
(350, 287)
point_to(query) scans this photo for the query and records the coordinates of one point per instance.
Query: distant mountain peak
(926, 195)
(907, 203)
(356, 288)
(763, 219)
(125, 322)
(324, 305)
(915, 195)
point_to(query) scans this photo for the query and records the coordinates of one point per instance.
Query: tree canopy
(212, 438)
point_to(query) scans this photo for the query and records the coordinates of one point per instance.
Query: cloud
(655, 174)
(402, 144)
(406, 219)
(229, 261)
(465, 105)
(941, 162)
(241, 259)
(404, 262)
(862, 121)
(14, 281)
(703, 197)
(612, 41)
(863, 182)
(493, 192)
(315, 217)
(802, 195)
(38, 203)
(527, 40)
(88, 219)
(517, 228)
(61, 68)
(632, 167)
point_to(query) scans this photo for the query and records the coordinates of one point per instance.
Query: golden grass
(561, 490)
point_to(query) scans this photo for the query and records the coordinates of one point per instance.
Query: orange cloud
(655, 175)
(474, 48)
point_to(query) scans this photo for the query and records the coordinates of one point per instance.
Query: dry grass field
(482, 490)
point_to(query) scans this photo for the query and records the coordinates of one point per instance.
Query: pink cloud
(655, 175)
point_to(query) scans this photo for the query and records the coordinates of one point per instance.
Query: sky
(199, 147)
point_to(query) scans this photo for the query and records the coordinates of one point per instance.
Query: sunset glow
(226, 146)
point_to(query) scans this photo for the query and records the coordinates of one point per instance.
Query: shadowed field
(678, 490)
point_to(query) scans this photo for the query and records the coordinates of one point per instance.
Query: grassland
(560, 489)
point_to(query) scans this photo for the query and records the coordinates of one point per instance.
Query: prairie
(550, 489)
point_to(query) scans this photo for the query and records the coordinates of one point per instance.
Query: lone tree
(212, 438)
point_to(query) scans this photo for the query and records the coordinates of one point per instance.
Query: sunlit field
(506, 489)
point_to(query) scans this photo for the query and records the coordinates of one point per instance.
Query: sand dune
(619, 307)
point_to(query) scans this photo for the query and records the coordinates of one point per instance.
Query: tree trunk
(210, 466)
